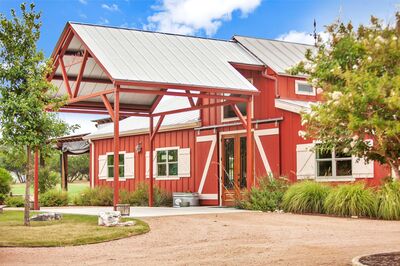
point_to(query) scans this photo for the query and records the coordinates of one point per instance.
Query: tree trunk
(27, 186)
(395, 170)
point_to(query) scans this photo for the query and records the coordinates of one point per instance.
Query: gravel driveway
(247, 238)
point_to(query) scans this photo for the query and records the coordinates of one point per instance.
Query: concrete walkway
(140, 212)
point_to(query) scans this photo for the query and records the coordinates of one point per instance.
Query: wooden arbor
(108, 100)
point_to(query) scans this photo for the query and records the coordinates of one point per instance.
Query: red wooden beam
(184, 87)
(151, 162)
(92, 95)
(184, 94)
(98, 112)
(116, 147)
(61, 51)
(85, 79)
(160, 120)
(194, 108)
(80, 75)
(239, 115)
(249, 146)
(155, 103)
(65, 77)
(107, 104)
(190, 99)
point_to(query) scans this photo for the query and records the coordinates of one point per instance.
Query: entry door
(233, 168)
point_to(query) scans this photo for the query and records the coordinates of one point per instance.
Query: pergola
(123, 72)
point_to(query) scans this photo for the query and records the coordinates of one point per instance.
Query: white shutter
(129, 165)
(305, 159)
(360, 167)
(184, 162)
(154, 164)
(103, 170)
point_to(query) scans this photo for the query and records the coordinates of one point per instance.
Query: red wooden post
(249, 146)
(36, 182)
(151, 161)
(116, 147)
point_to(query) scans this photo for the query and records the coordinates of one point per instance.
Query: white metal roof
(134, 55)
(278, 55)
(294, 106)
(140, 125)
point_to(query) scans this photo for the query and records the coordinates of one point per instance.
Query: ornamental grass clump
(140, 196)
(305, 197)
(99, 196)
(266, 197)
(389, 201)
(351, 200)
(53, 198)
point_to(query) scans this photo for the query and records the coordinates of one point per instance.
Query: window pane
(110, 159)
(323, 153)
(173, 156)
(111, 171)
(229, 113)
(343, 168)
(121, 159)
(304, 87)
(324, 168)
(121, 171)
(173, 169)
(161, 156)
(161, 169)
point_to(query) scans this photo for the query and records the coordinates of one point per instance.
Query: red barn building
(204, 150)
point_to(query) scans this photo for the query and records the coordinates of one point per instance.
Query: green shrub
(305, 197)
(15, 202)
(388, 206)
(2, 198)
(140, 197)
(53, 197)
(266, 197)
(5, 181)
(351, 200)
(99, 196)
(47, 179)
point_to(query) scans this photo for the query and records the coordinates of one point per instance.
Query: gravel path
(229, 239)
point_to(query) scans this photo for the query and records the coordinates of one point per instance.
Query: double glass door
(233, 168)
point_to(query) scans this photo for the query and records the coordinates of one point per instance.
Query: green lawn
(72, 230)
(73, 188)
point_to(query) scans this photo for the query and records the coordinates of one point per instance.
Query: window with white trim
(167, 163)
(332, 163)
(304, 88)
(227, 111)
(110, 165)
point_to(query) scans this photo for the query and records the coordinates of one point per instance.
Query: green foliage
(53, 198)
(389, 201)
(5, 181)
(78, 167)
(140, 196)
(358, 74)
(99, 196)
(305, 197)
(351, 200)
(2, 198)
(47, 179)
(14, 202)
(266, 197)
(14, 160)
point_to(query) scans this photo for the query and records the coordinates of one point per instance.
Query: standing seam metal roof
(134, 55)
(278, 55)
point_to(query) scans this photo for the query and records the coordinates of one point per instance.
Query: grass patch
(389, 201)
(72, 230)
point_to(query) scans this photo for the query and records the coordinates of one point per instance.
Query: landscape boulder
(112, 218)
(50, 216)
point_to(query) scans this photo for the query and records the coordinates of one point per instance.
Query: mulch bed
(383, 259)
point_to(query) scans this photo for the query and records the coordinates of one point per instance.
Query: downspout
(91, 151)
(273, 78)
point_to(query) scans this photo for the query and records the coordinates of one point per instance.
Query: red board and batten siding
(182, 138)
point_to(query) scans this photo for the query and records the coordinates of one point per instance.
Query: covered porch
(123, 72)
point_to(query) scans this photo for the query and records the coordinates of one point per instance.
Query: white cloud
(84, 2)
(193, 16)
(103, 21)
(301, 37)
(112, 7)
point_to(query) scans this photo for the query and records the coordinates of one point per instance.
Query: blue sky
(289, 20)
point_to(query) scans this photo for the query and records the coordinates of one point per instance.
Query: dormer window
(304, 88)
